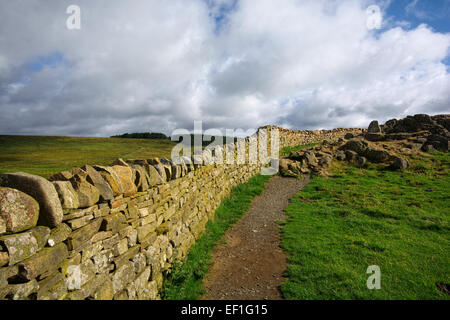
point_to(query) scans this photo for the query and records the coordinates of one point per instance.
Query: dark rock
(428, 148)
(374, 127)
(349, 136)
(398, 136)
(374, 137)
(377, 156)
(400, 164)
(438, 142)
(310, 158)
(340, 155)
(351, 155)
(358, 146)
(360, 161)
(443, 120)
(419, 122)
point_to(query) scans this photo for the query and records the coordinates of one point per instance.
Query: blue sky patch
(52, 60)
(435, 13)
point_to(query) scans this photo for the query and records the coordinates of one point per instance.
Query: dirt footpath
(249, 266)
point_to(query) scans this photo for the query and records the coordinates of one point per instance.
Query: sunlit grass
(338, 226)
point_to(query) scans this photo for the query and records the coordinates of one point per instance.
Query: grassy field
(46, 156)
(399, 221)
(185, 281)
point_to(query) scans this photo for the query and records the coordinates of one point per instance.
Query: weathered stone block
(67, 195)
(126, 257)
(88, 194)
(61, 176)
(4, 258)
(90, 251)
(97, 180)
(141, 281)
(133, 212)
(19, 291)
(80, 222)
(105, 291)
(88, 289)
(143, 231)
(123, 276)
(157, 175)
(103, 261)
(42, 190)
(79, 275)
(18, 210)
(150, 291)
(120, 248)
(140, 262)
(44, 261)
(52, 288)
(113, 222)
(110, 242)
(59, 234)
(125, 175)
(79, 237)
(102, 235)
(111, 178)
(132, 238)
(23, 245)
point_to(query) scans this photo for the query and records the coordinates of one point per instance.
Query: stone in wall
(18, 211)
(111, 178)
(67, 194)
(96, 179)
(41, 190)
(125, 175)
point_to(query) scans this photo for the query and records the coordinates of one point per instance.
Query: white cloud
(157, 65)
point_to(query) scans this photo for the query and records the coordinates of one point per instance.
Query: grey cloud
(156, 66)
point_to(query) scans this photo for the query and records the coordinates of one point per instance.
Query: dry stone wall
(111, 232)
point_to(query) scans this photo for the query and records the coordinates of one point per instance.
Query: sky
(160, 65)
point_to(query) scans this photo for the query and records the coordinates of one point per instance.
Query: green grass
(46, 156)
(185, 280)
(338, 226)
(287, 150)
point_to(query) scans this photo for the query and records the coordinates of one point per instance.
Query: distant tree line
(144, 135)
(209, 139)
(155, 135)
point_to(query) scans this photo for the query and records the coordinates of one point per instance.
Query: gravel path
(249, 266)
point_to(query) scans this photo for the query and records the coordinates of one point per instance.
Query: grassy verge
(185, 280)
(400, 221)
(46, 156)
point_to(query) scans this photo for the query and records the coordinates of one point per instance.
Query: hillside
(46, 156)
